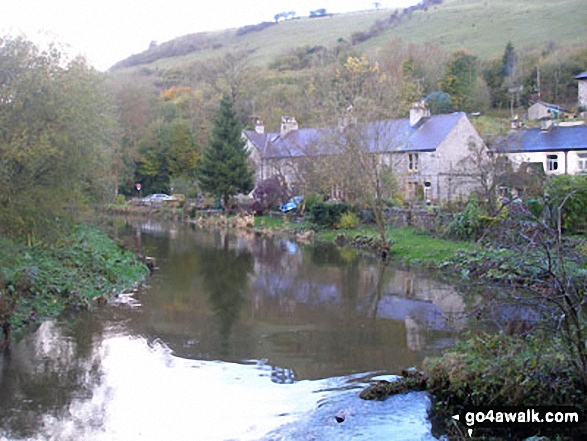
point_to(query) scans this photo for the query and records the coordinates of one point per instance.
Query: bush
(328, 214)
(573, 214)
(348, 220)
(269, 194)
(468, 224)
(504, 370)
(312, 198)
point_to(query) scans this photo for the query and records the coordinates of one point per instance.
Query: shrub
(268, 194)
(468, 223)
(348, 220)
(312, 198)
(574, 190)
(328, 214)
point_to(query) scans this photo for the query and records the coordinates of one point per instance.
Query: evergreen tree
(224, 171)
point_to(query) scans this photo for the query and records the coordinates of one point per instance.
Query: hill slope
(482, 26)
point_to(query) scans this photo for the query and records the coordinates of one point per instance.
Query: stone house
(428, 153)
(582, 101)
(542, 109)
(559, 148)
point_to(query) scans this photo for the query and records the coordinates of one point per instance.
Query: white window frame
(552, 163)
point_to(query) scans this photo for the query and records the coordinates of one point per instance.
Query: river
(234, 337)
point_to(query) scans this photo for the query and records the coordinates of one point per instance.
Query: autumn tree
(224, 170)
(355, 161)
(57, 138)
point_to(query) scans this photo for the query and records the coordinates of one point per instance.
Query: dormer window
(552, 162)
(413, 162)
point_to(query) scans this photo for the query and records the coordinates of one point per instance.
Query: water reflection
(236, 337)
(224, 276)
(318, 311)
(48, 373)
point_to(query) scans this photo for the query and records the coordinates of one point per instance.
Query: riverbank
(80, 270)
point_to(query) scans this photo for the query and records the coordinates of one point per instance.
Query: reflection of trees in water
(224, 274)
(47, 372)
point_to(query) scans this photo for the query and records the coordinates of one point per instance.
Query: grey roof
(381, 136)
(582, 76)
(534, 140)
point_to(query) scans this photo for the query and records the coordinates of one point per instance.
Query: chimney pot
(259, 126)
(418, 113)
(288, 124)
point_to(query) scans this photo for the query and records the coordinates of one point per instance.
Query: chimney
(418, 113)
(259, 126)
(288, 124)
(545, 124)
(515, 123)
(347, 119)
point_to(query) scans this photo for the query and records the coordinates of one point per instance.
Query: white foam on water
(146, 393)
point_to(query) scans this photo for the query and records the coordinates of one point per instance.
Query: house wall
(567, 162)
(583, 94)
(256, 160)
(537, 111)
(455, 181)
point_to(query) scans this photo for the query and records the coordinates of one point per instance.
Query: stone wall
(421, 219)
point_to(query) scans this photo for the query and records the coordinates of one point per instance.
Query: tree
(356, 163)
(460, 78)
(224, 170)
(58, 136)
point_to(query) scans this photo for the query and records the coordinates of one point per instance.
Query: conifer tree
(224, 171)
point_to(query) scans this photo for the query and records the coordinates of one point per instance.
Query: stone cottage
(582, 101)
(428, 152)
(559, 148)
(542, 109)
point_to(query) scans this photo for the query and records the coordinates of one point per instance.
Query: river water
(234, 337)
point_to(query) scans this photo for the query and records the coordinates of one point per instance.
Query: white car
(157, 198)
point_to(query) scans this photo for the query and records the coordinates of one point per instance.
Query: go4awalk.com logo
(562, 418)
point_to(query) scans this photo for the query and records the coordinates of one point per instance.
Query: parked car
(157, 199)
(292, 204)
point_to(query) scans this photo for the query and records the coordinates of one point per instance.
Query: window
(413, 161)
(583, 162)
(552, 162)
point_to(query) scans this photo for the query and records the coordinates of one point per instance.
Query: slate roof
(534, 140)
(582, 76)
(382, 136)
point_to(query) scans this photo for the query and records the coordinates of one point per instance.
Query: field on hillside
(485, 26)
(482, 26)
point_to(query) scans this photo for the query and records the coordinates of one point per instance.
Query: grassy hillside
(482, 26)
(485, 26)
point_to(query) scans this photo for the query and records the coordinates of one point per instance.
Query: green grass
(482, 26)
(44, 280)
(407, 245)
(485, 26)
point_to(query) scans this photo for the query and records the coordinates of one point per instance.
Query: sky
(108, 31)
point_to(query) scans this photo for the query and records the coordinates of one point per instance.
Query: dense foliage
(57, 138)
(328, 214)
(39, 282)
(569, 193)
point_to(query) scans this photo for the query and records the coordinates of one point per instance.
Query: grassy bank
(39, 282)
(408, 246)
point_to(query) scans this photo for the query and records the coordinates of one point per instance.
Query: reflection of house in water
(338, 292)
